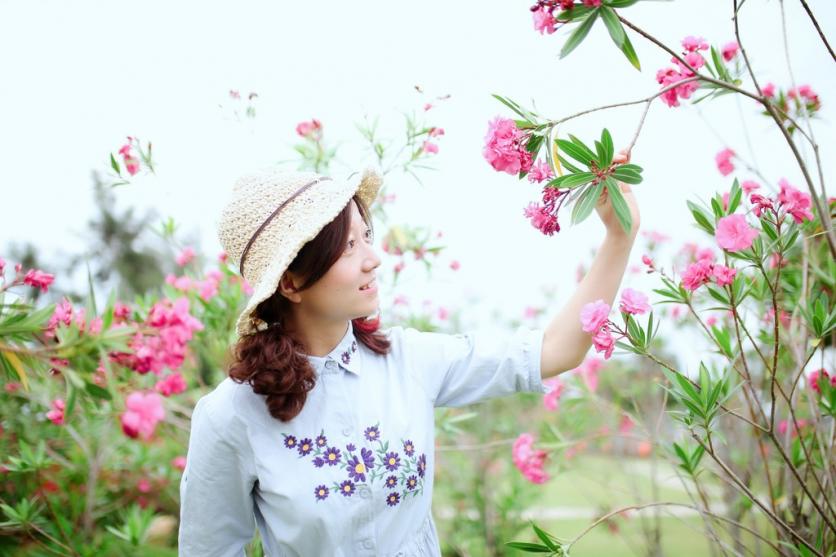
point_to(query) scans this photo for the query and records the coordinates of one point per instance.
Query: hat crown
(255, 196)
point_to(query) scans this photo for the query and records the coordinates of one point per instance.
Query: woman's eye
(350, 244)
(369, 235)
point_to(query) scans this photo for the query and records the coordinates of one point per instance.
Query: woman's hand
(607, 212)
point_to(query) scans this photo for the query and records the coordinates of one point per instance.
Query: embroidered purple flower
(391, 481)
(305, 446)
(350, 447)
(372, 433)
(289, 441)
(347, 488)
(408, 447)
(357, 468)
(332, 456)
(321, 441)
(393, 499)
(346, 357)
(321, 492)
(422, 465)
(392, 461)
(319, 462)
(411, 482)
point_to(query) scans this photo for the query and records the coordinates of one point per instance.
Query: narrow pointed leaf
(578, 35)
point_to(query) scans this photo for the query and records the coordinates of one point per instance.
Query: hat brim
(314, 212)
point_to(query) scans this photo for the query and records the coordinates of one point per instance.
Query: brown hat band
(270, 218)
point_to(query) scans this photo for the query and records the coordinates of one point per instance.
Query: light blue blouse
(352, 474)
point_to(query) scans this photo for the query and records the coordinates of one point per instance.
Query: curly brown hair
(274, 362)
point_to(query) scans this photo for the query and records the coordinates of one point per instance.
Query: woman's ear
(287, 288)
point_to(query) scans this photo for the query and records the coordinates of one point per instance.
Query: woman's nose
(372, 260)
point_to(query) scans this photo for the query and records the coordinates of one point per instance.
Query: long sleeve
(216, 501)
(461, 369)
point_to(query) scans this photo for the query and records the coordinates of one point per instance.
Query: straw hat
(272, 213)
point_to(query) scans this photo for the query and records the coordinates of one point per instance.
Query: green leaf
(613, 26)
(114, 165)
(528, 116)
(578, 12)
(631, 167)
(579, 34)
(568, 165)
(626, 176)
(529, 547)
(630, 53)
(734, 197)
(586, 203)
(575, 152)
(621, 3)
(545, 537)
(587, 151)
(606, 141)
(98, 391)
(572, 180)
(619, 204)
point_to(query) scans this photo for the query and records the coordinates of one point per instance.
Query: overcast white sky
(77, 77)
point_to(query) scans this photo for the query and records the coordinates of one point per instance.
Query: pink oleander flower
(223, 257)
(167, 348)
(734, 234)
(38, 279)
(693, 44)
(723, 275)
(697, 274)
(56, 414)
(813, 379)
(730, 50)
(592, 3)
(649, 262)
(543, 20)
(806, 93)
(528, 460)
(540, 171)
(795, 202)
(179, 462)
(504, 148)
(654, 236)
(310, 129)
(634, 302)
(121, 311)
(435, 132)
(429, 147)
(594, 315)
(455, 265)
(427, 106)
(552, 398)
(588, 371)
(172, 384)
(185, 257)
(2, 266)
(760, 204)
(783, 425)
(749, 186)
(541, 219)
(726, 201)
(723, 160)
(143, 411)
(768, 90)
(711, 321)
(131, 162)
(603, 341)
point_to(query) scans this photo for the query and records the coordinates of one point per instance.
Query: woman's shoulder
(227, 405)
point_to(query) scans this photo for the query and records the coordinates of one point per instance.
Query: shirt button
(346, 431)
(365, 493)
(368, 544)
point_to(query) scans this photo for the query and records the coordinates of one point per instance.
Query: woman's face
(349, 289)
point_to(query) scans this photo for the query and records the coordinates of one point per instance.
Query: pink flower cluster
(505, 147)
(66, 314)
(588, 371)
(705, 270)
(544, 217)
(167, 348)
(428, 146)
(528, 460)
(670, 76)
(634, 302)
(143, 412)
(130, 161)
(723, 160)
(806, 93)
(540, 172)
(551, 398)
(813, 379)
(733, 233)
(543, 13)
(206, 288)
(794, 202)
(56, 414)
(729, 50)
(172, 384)
(595, 321)
(310, 130)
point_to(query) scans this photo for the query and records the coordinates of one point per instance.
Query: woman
(323, 435)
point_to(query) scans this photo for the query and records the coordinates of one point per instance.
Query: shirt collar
(345, 354)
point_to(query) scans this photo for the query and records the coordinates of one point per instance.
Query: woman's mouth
(369, 287)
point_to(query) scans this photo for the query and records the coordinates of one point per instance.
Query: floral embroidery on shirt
(346, 356)
(401, 473)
